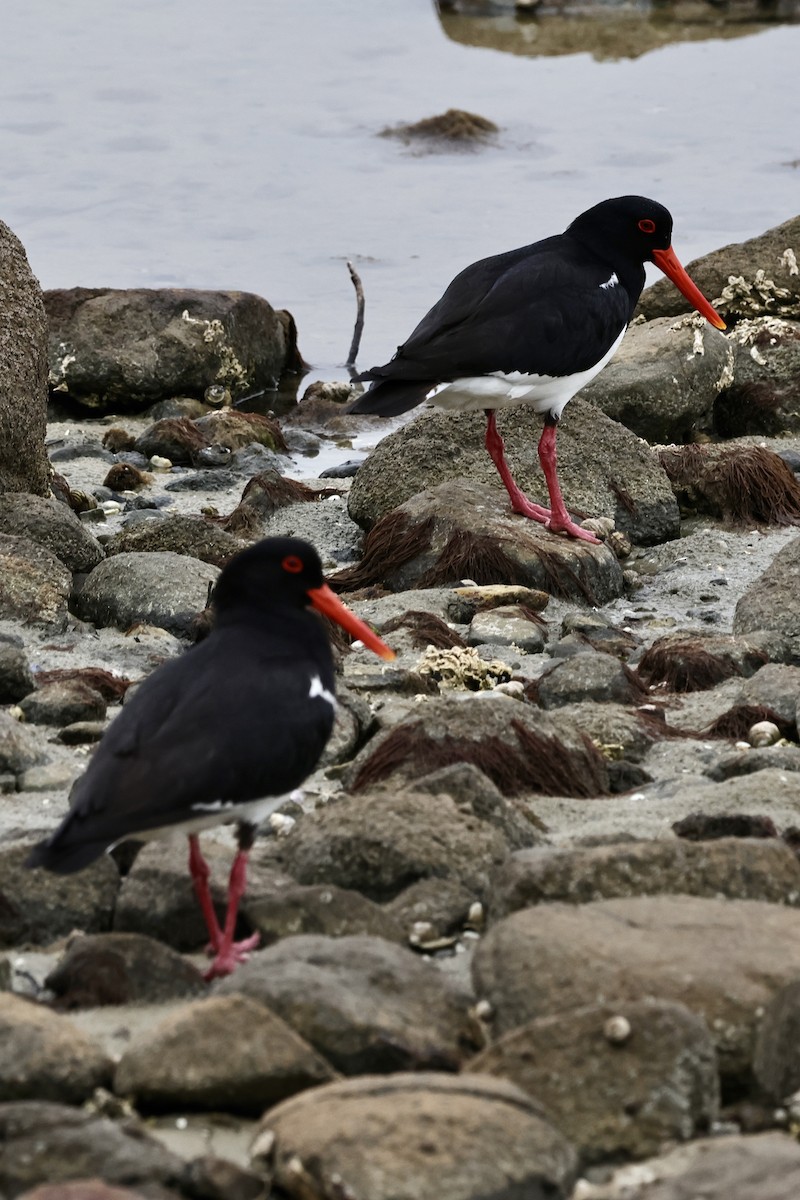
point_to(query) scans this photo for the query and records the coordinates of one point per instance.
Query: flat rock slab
(618, 1080)
(365, 1004)
(411, 1137)
(773, 600)
(739, 868)
(765, 1167)
(224, 1052)
(724, 959)
(603, 468)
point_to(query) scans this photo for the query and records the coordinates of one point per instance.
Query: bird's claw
(228, 958)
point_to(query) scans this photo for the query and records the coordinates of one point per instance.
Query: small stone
(617, 1029)
(159, 463)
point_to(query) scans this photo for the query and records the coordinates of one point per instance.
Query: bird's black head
(629, 226)
(279, 570)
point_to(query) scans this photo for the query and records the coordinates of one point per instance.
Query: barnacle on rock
(462, 669)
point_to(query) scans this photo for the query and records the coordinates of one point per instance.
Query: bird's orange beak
(328, 603)
(667, 261)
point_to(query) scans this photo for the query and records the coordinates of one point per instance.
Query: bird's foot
(526, 508)
(228, 958)
(568, 526)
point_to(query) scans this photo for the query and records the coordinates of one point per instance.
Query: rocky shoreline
(531, 930)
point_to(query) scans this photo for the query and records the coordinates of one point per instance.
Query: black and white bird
(222, 733)
(533, 326)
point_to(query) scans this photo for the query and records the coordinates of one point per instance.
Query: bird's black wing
(194, 733)
(539, 310)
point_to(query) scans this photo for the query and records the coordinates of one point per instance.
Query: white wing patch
(612, 282)
(317, 689)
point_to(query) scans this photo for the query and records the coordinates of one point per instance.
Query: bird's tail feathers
(390, 397)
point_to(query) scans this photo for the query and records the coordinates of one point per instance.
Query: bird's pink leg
(229, 954)
(560, 520)
(519, 501)
(198, 868)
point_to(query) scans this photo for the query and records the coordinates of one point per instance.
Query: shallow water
(175, 142)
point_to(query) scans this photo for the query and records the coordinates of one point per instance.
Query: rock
(381, 842)
(588, 676)
(121, 968)
(506, 625)
(177, 439)
(51, 524)
(23, 370)
(604, 470)
(724, 959)
(20, 748)
(761, 393)
(776, 1061)
(692, 660)
(663, 379)
(320, 908)
(49, 777)
(225, 1052)
(82, 733)
(53, 1143)
(61, 703)
(711, 273)
(442, 906)
(410, 1137)
(618, 1079)
(163, 589)
(157, 898)
(775, 686)
(462, 530)
(15, 672)
(363, 1003)
(619, 732)
(235, 430)
(739, 484)
(39, 907)
(747, 762)
(521, 749)
(473, 792)
(81, 1189)
(43, 1056)
(765, 1167)
(738, 868)
(194, 537)
(773, 600)
(326, 524)
(34, 584)
(112, 348)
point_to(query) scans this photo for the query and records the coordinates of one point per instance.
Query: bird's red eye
(647, 226)
(293, 564)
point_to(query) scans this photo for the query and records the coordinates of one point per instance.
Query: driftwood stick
(359, 325)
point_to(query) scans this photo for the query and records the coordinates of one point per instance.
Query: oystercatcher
(220, 734)
(532, 326)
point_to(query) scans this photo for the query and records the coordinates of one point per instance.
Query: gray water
(190, 143)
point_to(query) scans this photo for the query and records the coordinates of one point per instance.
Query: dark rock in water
(51, 524)
(121, 968)
(178, 1063)
(469, 1137)
(152, 588)
(362, 1002)
(129, 348)
(345, 470)
(23, 370)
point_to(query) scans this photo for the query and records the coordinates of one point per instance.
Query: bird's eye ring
(647, 226)
(292, 564)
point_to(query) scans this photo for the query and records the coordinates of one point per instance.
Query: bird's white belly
(543, 393)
